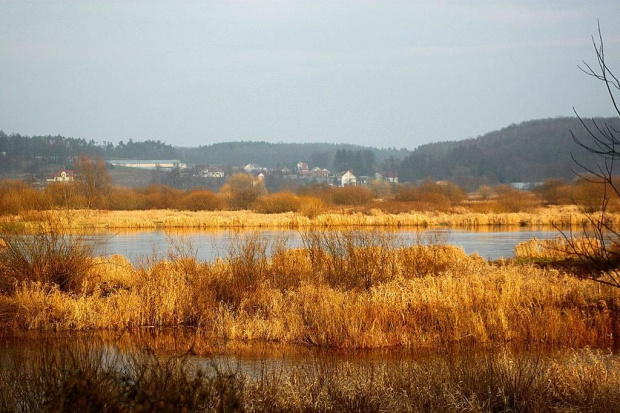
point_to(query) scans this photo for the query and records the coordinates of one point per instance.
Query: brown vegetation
(343, 290)
(101, 378)
(93, 191)
(312, 214)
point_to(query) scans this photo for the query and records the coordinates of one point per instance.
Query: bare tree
(598, 247)
(92, 178)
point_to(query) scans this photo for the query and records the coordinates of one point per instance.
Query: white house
(249, 168)
(61, 176)
(347, 178)
(210, 172)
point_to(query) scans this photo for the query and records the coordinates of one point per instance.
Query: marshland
(349, 318)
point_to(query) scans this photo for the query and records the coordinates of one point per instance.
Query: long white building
(166, 164)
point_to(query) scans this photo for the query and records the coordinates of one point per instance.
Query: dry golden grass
(345, 290)
(98, 377)
(310, 216)
(558, 248)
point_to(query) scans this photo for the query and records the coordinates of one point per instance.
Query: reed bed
(558, 248)
(348, 289)
(172, 219)
(91, 378)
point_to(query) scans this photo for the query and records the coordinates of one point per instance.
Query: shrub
(125, 199)
(47, 256)
(161, 197)
(277, 203)
(556, 192)
(16, 196)
(201, 200)
(311, 206)
(514, 200)
(352, 195)
(241, 190)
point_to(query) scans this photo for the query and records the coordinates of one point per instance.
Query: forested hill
(38, 154)
(277, 155)
(528, 152)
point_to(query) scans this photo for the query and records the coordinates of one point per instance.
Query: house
(302, 168)
(347, 178)
(391, 177)
(62, 175)
(207, 171)
(318, 173)
(525, 186)
(249, 168)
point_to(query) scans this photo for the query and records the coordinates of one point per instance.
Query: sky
(376, 73)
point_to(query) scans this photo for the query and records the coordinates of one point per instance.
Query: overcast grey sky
(379, 73)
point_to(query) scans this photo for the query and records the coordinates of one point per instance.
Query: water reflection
(490, 243)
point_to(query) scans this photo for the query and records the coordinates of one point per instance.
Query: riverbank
(174, 219)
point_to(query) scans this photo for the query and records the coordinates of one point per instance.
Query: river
(208, 245)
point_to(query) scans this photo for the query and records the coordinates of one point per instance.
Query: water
(207, 245)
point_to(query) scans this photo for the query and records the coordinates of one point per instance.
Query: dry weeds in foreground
(98, 378)
(349, 289)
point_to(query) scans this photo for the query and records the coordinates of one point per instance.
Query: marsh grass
(310, 216)
(352, 289)
(92, 376)
(99, 377)
(48, 256)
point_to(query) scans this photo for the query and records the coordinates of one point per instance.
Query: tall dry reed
(92, 378)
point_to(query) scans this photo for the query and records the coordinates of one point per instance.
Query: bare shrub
(127, 199)
(241, 190)
(16, 196)
(352, 195)
(277, 203)
(514, 200)
(353, 258)
(200, 200)
(311, 206)
(47, 256)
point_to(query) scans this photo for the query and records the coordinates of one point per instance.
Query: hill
(39, 154)
(278, 155)
(531, 151)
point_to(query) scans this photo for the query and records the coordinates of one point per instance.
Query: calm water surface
(207, 245)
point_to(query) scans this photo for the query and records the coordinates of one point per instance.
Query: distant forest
(531, 151)
(37, 154)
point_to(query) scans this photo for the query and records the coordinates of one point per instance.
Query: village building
(249, 168)
(62, 175)
(391, 177)
(347, 178)
(207, 171)
(318, 173)
(150, 164)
